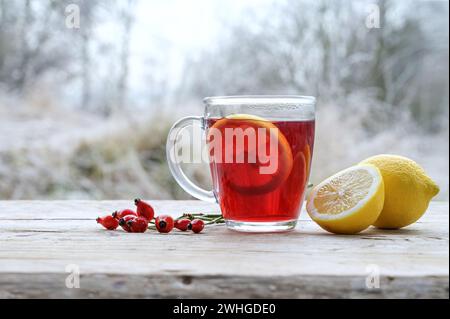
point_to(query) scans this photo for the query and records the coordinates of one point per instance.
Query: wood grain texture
(38, 239)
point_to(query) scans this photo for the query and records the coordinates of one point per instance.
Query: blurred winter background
(84, 112)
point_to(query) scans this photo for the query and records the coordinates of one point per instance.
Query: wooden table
(44, 244)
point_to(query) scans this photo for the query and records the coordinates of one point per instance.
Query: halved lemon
(349, 201)
(254, 182)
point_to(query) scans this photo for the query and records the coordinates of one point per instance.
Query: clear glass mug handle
(174, 165)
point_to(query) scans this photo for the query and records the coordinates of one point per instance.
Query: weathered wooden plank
(184, 286)
(39, 239)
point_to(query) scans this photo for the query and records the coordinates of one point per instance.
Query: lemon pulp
(349, 201)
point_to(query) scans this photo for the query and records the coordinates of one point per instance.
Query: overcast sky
(182, 29)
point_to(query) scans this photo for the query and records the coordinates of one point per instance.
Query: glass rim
(259, 99)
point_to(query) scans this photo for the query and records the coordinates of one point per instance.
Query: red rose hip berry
(122, 213)
(182, 224)
(196, 225)
(108, 222)
(164, 223)
(144, 209)
(138, 225)
(124, 222)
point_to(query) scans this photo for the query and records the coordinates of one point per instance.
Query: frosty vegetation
(71, 125)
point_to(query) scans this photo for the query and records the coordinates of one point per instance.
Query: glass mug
(259, 150)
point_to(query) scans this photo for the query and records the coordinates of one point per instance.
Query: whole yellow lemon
(408, 190)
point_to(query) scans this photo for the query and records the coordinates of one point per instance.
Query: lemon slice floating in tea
(348, 202)
(253, 181)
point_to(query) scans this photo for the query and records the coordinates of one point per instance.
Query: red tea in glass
(247, 195)
(253, 194)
